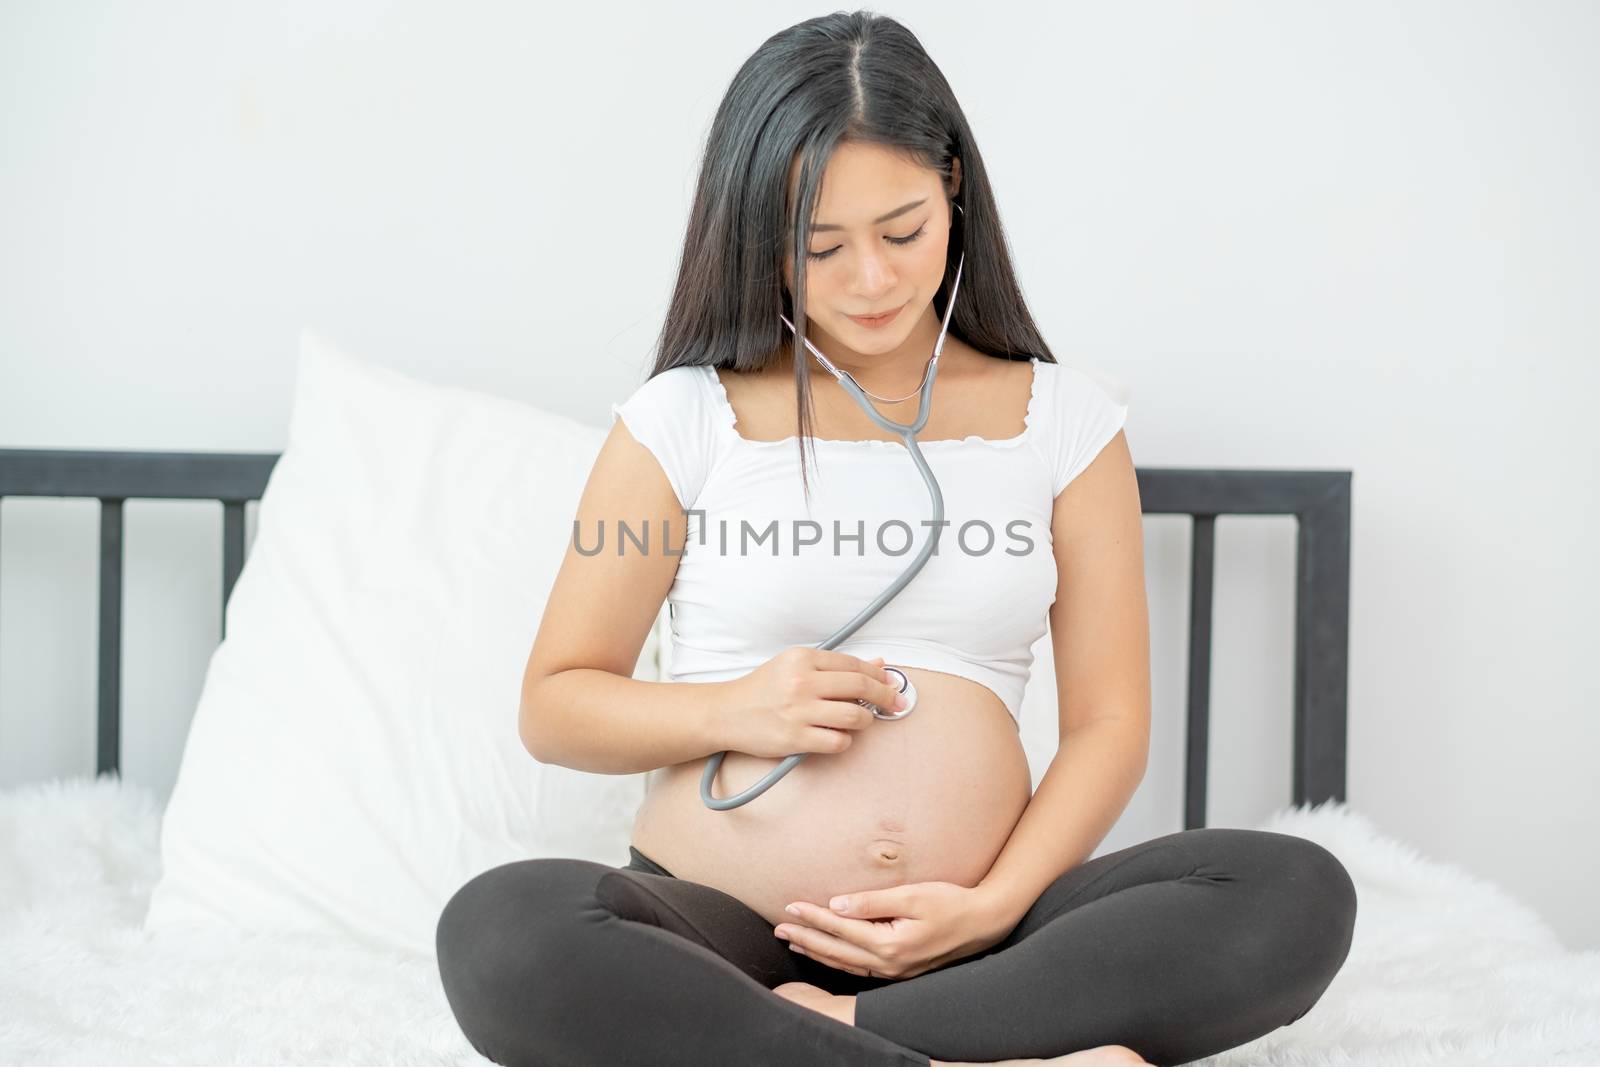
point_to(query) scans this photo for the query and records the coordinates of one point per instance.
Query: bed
(284, 942)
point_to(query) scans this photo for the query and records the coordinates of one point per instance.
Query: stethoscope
(908, 434)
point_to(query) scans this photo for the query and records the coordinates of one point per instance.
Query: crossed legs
(1178, 947)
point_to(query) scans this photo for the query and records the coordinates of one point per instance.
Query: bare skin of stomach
(932, 797)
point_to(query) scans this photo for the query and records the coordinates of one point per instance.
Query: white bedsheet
(1444, 969)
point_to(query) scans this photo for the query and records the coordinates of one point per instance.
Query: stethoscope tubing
(907, 434)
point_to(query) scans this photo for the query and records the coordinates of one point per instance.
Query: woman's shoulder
(1075, 386)
(670, 414)
(674, 388)
(1081, 413)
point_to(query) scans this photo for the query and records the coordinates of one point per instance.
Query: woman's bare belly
(931, 797)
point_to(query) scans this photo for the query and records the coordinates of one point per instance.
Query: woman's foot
(818, 999)
(1099, 1056)
(844, 1009)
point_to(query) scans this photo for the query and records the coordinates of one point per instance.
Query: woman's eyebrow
(896, 213)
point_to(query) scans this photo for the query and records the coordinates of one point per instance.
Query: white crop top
(761, 570)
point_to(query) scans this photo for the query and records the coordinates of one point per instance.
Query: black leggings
(1179, 947)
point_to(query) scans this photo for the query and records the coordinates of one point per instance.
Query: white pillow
(355, 758)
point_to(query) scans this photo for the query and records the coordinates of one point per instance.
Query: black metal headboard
(1319, 500)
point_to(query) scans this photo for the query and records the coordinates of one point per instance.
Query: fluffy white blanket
(1445, 967)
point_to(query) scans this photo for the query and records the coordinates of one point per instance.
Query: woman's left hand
(899, 932)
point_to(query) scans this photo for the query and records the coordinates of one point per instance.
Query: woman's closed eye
(892, 240)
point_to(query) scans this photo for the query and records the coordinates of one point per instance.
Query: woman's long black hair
(847, 76)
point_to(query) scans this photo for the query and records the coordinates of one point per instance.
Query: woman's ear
(955, 177)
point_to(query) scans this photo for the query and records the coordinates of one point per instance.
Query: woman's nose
(874, 276)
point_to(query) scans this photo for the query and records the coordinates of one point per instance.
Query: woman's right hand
(804, 699)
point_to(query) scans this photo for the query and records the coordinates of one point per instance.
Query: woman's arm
(581, 705)
(1100, 634)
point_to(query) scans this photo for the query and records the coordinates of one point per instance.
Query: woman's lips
(881, 320)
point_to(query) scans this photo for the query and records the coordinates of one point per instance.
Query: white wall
(1357, 235)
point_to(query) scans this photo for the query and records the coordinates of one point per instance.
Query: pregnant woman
(901, 896)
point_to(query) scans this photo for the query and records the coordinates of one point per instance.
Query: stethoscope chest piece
(906, 689)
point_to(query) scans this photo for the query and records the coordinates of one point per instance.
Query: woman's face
(861, 261)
